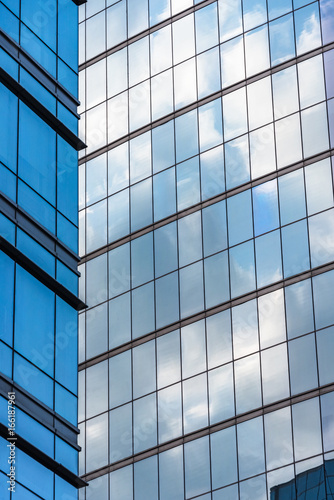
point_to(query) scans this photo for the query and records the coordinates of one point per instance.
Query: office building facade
(207, 244)
(38, 250)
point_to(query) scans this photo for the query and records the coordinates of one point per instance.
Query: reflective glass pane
(247, 383)
(250, 447)
(193, 349)
(275, 378)
(303, 364)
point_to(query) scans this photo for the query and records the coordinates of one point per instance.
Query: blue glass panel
(118, 168)
(250, 448)
(34, 432)
(171, 482)
(216, 275)
(38, 91)
(206, 28)
(68, 34)
(165, 247)
(38, 50)
(276, 9)
(28, 469)
(210, 124)
(143, 320)
(167, 300)
(120, 373)
(292, 197)
(8, 64)
(325, 346)
(119, 320)
(34, 321)
(119, 270)
(6, 298)
(268, 258)
(191, 289)
(230, 19)
(66, 345)
(43, 21)
(142, 260)
(214, 228)
(146, 479)
(121, 484)
(242, 269)
(67, 232)
(65, 490)
(327, 413)
(66, 404)
(212, 172)
(118, 215)
(144, 374)
(68, 78)
(13, 5)
(188, 185)
(36, 206)
(141, 204)
(299, 309)
(240, 220)
(224, 458)
(295, 248)
(307, 27)
(67, 180)
(186, 136)
(8, 128)
(321, 231)
(219, 342)
(237, 162)
(327, 14)
(190, 239)
(6, 360)
(7, 229)
(282, 42)
(197, 467)
(145, 423)
(9, 23)
(164, 194)
(168, 358)
(221, 394)
(323, 286)
(37, 151)
(36, 252)
(33, 380)
(163, 146)
(97, 280)
(302, 364)
(265, 204)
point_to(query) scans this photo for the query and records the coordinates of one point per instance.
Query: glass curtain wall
(207, 243)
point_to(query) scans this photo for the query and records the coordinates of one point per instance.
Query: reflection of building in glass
(207, 237)
(38, 250)
(316, 483)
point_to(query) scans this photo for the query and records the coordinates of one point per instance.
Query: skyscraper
(207, 244)
(38, 250)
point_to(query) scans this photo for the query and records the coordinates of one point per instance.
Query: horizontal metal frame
(207, 313)
(27, 62)
(41, 275)
(206, 431)
(44, 459)
(211, 201)
(40, 412)
(41, 111)
(205, 100)
(44, 237)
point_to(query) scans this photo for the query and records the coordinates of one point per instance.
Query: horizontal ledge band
(44, 459)
(207, 313)
(41, 275)
(49, 118)
(40, 412)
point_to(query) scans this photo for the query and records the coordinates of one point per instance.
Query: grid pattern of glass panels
(137, 84)
(251, 170)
